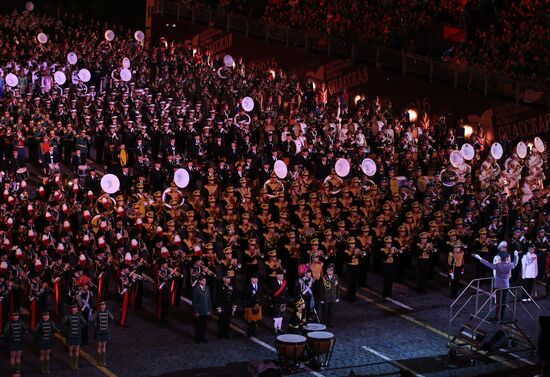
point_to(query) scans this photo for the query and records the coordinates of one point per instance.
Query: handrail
(464, 76)
(477, 288)
(493, 296)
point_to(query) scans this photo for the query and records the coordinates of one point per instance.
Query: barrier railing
(458, 75)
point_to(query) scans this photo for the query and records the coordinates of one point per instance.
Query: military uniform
(388, 272)
(225, 305)
(455, 262)
(329, 294)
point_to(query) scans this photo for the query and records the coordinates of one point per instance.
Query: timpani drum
(22, 174)
(310, 327)
(290, 350)
(320, 345)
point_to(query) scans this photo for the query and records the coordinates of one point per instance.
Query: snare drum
(290, 349)
(83, 171)
(22, 174)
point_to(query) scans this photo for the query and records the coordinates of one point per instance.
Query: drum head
(29, 6)
(12, 80)
(110, 183)
(59, 78)
(280, 169)
(314, 327)
(139, 36)
(342, 167)
(84, 75)
(291, 338)
(496, 150)
(228, 61)
(467, 151)
(109, 35)
(126, 63)
(42, 38)
(456, 159)
(248, 104)
(72, 58)
(181, 178)
(125, 74)
(521, 149)
(320, 335)
(368, 166)
(539, 144)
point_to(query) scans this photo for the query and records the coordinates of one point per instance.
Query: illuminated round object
(109, 35)
(467, 151)
(342, 167)
(413, 115)
(181, 178)
(228, 61)
(280, 169)
(84, 75)
(368, 166)
(72, 58)
(456, 159)
(468, 131)
(125, 75)
(496, 151)
(110, 183)
(12, 80)
(29, 6)
(521, 149)
(139, 36)
(42, 38)
(59, 78)
(248, 104)
(539, 144)
(126, 63)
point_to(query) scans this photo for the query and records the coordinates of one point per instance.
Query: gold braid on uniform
(327, 286)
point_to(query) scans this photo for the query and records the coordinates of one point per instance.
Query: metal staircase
(475, 310)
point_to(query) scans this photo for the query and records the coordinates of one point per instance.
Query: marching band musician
(44, 332)
(14, 333)
(72, 325)
(389, 253)
(100, 320)
(298, 318)
(455, 262)
(424, 250)
(353, 255)
(482, 246)
(403, 257)
(163, 290)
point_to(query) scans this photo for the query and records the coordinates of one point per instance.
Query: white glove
(452, 276)
(476, 256)
(338, 300)
(219, 310)
(516, 253)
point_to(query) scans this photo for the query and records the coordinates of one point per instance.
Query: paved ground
(373, 337)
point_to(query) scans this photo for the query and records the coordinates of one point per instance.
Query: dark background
(130, 13)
